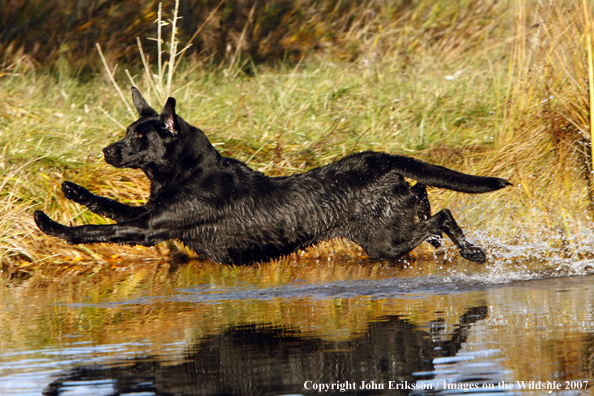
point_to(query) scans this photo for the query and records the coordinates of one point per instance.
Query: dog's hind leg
(393, 242)
(101, 205)
(424, 210)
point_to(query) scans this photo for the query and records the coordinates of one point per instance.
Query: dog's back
(265, 217)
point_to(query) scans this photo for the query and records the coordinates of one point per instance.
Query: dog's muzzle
(113, 155)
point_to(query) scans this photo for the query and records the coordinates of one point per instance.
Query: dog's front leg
(134, 232)
(101, 205)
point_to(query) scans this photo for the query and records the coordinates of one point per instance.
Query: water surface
(322, 327)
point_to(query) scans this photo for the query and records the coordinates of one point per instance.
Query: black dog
(229, 213)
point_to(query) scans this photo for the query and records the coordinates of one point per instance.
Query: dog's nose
(109, 151)
(112, 155)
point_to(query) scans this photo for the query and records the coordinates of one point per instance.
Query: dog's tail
(438, 176)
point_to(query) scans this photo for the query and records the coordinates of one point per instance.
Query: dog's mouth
(114, 162)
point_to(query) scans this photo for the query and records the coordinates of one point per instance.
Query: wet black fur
(230, 213)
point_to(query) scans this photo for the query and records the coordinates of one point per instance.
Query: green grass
(327, 109)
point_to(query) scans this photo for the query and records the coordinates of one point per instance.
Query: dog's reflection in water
(268, 360)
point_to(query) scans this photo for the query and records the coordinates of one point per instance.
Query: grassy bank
(488, 96)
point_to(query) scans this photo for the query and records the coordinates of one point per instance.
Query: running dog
(231, 214)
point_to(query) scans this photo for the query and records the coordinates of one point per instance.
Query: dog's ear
(168, 117)
(141, 105)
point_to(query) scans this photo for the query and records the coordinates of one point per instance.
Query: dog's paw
(76, 193)
(49, 226)
(44, 223)
(473, 253)
(435, 240)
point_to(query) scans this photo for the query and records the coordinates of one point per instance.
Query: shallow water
(307, 328)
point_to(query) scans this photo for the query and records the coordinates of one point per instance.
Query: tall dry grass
(64, 32)
(544, 138)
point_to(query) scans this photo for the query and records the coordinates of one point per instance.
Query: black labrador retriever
(229, 213)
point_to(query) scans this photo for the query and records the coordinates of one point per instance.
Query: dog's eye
(139, 135)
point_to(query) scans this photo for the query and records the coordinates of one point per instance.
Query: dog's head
(158, 143)
(147, 139)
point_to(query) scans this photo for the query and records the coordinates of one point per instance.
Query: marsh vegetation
(490, 88)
